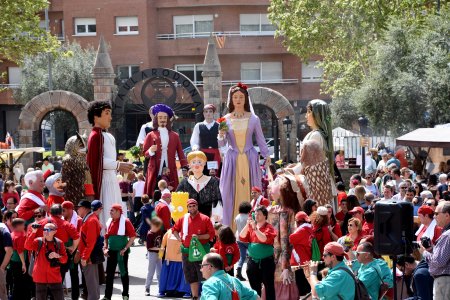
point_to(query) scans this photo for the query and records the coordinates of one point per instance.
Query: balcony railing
(193, 35)
(10, 86)
(254, 82)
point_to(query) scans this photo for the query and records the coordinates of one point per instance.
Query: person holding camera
(50, 253)
(438, 256)
(429, 227)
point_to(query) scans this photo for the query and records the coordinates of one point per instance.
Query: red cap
(301, 216)
(256, 189)
(47, 174)
(67, 205)
(209, 106)
(425, 210)
(192, 201)
(166, 196)
(117, 207)
(357, 209)
(335, 248)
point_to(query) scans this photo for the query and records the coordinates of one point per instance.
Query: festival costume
(101, 159)
(206, 193)
(28, 203)
(204, 138)
(241, 163)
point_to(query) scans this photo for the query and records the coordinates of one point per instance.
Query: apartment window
(14, 75)
(126, 72)
(311, 72)
(262, 71)
(193, 72)
(192, 26)
(256, 24)
(85, 26)
(127, 25)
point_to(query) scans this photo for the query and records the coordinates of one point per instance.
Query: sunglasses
(437, 213)
(38, 216)
(49, 229)
(429, 203)
(361, 252)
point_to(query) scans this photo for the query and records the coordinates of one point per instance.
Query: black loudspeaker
(393, 228)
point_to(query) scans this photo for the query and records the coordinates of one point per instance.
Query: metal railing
(351, 144)
(193, 35)
(254, 82)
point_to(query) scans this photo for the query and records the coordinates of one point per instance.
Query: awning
(16, 153)
(426, 137)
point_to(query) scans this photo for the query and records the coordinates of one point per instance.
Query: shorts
(191, 270)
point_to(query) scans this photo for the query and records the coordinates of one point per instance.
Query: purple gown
(227, 177)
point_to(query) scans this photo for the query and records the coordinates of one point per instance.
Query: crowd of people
(291, 233)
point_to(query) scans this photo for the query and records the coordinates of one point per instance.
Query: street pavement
(137, 269)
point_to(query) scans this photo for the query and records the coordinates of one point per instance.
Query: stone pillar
(212, 76)
(103, 73)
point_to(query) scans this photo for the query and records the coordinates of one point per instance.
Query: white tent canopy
(341, 132)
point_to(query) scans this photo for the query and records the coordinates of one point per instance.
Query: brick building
(174, 34)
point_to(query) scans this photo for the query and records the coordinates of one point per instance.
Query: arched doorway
(57, 127)
(147, 88)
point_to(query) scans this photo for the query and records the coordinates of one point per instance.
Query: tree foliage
(20, 34)
(409, 82)
(71, 71)
(341, 32)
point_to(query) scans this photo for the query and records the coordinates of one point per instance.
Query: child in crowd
(241, 220)
(153, 244)
(21, 279)
(146, 216)
(217, 227)
(162, 186)
(228, 249)
(9, 190)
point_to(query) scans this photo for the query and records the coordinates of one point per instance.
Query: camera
(426, 242)
(54, 262)
(36, 225)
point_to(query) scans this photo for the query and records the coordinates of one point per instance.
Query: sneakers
(147, 292)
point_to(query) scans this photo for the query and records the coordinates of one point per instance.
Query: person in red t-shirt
(261, 265)
(193, 224)
(163, 211)
(9, 190)
(119, 237)
(428, 225)
(228, 249)
(21, 279)
(319, 220)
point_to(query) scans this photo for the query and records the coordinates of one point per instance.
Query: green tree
(341, 32)
(409, 82)
(71, 71)
(20, 34)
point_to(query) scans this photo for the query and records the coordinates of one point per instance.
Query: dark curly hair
(95, 109)
(226, 235)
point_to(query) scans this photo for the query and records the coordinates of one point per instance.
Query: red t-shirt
(64, 231)
(268, 230)
(114, 228)
(18, 239)
(301, 241)
(227, 251)
(340, 216)
(200, 224)
(163, 212)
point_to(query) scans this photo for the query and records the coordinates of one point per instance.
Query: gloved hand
(286, 276)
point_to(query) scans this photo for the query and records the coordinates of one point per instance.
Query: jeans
(154, 264)
(243, 250)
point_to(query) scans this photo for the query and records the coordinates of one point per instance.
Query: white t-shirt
(138, 188)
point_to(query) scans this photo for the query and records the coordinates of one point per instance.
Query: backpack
(34, 255)
(360, 289)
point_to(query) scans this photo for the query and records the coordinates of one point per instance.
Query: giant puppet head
(55, 185)
(164, 116)
(76, 145)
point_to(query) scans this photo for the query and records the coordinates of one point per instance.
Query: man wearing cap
(97, 208)
(369, 272)
(193, 224)
(161, 146)
(33, 198)
(338, 284)
(204, 136)
(428, 227)
(258, 199)
(301, 241)
(162, 210)
(90, 231)
(55, 187)
(119, 237)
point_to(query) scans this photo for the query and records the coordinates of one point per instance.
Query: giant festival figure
(161, 146)
(101, 158)
(240, 169)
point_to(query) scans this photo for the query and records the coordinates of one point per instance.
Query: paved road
(137, 267)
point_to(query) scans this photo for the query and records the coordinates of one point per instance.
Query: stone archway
(282, 108)
(35, 110)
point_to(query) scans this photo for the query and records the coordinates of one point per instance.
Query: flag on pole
(9, 141)
(220, 39)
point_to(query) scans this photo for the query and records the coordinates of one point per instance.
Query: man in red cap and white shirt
(193, 224)
(339, 283)
(119, 237)
(33, 198)
(162, 210)
(204, 136)
(258, 199)
(428, 227)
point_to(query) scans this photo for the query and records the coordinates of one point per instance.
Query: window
(127, 25)
(256, 24)
(264, 71)
(192, 26)
(14, 75)
(193, 72)
(126, 72)
(85, 26)
(311, 72)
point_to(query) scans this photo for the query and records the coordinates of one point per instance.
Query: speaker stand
(394, 275)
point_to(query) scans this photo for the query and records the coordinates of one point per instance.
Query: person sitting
(422, 281)
(218, 284)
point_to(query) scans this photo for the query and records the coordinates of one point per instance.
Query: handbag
(196, 250)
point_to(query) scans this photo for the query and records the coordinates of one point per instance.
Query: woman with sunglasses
(353, 238)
